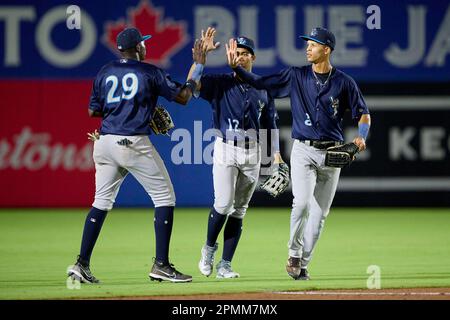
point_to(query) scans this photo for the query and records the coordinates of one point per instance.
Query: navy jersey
(125, 91)
(317, 110)
(237, 106)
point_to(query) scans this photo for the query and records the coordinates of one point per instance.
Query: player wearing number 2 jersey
(320, 95)
(124, 95)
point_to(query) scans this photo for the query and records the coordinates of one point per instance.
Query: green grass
(411, 247)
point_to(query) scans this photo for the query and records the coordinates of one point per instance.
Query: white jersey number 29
(129, 90)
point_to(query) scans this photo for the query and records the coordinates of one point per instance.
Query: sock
(231, 236)
(92, 227)
(215, 224)
(163, 223)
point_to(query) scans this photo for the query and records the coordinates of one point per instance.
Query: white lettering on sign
(431, 144)
(441, 44)
(65, 58)
(12, 16)
(348, 22)
(35, 151)
(431, 139)
(340, 19)
(413, 54)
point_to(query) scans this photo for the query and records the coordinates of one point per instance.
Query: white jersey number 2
(129, 90)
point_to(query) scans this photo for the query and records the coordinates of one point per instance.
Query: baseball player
(124, 95)
(239, 111)
(319, 95)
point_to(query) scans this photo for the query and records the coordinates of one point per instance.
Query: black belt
(319, 144)
(247, 144)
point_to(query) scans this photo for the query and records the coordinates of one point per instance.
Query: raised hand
(199, 52)
(231, 49)
(208, 39)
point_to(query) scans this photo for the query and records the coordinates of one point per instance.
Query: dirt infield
(381, 294)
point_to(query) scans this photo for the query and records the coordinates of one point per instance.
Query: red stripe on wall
(45, 156)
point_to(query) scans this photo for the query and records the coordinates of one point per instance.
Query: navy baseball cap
(322, 36)
(247, 43)
(129, 38)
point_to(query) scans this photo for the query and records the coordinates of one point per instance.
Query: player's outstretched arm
(193, 83)
(278, 85)
(199, 54)
(232, 58)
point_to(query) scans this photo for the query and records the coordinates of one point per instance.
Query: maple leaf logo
(168, 36)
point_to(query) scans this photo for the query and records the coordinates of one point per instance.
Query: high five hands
(208, 40)
(231, 49)
(204, 45)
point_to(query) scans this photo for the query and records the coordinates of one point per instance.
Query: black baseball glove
(278, 181)
(341, 156)
(161, 121)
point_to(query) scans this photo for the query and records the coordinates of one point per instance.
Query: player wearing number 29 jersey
(124, 95)
(125, 91)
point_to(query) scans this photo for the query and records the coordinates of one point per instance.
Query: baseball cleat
(206, 262)
(224, 270)
(82, 273)
(161, 272)
(304, 274)
(293, 267)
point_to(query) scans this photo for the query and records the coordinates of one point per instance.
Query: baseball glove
(277, 183)
(341, 156)
(161, 121)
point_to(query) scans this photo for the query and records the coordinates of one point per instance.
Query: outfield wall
(397, 53)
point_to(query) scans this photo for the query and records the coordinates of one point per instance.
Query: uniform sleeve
(95, 100)
(278, 85)
(270, 116)
(165, 86)
(271, 124)
(208, 86)
(356, 100)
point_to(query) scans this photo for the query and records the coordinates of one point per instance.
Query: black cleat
(81, 272)
(293, 267)
(161, 271)
(304, 275)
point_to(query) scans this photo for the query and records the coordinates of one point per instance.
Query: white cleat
(224, 270)
(206, 262)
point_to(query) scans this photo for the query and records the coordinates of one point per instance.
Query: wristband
(197, 73)
(191, 85)
(363, 130)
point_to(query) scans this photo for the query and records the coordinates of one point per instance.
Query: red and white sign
(45, 156)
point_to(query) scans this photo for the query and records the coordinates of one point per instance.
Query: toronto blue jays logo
(334, 105)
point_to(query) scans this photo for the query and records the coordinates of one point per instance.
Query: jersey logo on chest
(334, 105)
(261, 105)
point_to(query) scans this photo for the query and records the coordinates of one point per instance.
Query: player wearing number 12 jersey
(239, 112)
(124, 95)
